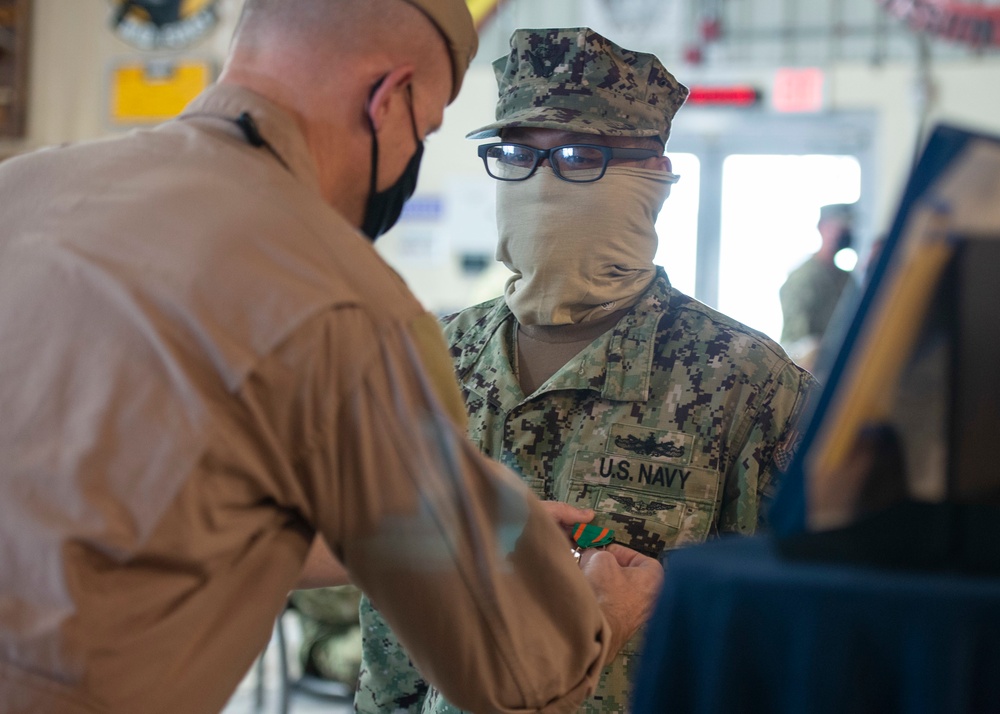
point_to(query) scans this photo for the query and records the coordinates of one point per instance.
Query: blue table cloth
(739, 629)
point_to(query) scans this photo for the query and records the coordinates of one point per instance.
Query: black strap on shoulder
(249, 129)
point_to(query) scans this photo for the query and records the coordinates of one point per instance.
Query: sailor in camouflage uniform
(593, 378)
(810, 295)
(331, 634)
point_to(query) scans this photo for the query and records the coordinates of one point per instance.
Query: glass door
(761, 177)
(770, 206)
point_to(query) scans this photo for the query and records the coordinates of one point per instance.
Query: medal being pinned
(589, 536)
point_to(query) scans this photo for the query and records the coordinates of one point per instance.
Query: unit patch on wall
(163, 24)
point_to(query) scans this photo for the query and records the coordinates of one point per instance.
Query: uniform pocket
(652, 504)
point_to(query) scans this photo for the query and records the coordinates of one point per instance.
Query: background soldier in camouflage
(331, 634)
(593, 378)
(810, 294)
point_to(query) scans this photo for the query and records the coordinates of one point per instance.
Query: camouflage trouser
(331, 634)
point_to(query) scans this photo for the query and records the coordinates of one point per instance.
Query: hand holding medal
(586, 535)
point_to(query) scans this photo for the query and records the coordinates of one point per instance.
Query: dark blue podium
(740, 629)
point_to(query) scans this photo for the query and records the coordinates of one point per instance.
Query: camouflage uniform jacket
(808, 299)
(672, 426)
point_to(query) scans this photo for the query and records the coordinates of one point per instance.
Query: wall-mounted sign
(163, 24)
(729, 95)
(15, 32)
(153, 91)
(798, 89)
(975, 24)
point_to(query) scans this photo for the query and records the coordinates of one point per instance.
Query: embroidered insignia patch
(649, 446)
(640, 507)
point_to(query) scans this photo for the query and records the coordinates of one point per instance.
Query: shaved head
(349, 24)
(336, 35)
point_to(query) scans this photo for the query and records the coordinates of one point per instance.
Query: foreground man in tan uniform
(203, 364)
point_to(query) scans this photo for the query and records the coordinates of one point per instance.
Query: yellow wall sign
(481, 10)
(149, 92)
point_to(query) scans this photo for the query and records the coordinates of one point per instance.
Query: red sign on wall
(798, 90)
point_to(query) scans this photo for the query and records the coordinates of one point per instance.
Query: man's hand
(626, 584)
(566, 515)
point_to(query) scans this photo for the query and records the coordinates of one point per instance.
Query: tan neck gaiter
(578, 251)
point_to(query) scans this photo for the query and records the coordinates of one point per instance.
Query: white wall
(964, 93)
(73, 48)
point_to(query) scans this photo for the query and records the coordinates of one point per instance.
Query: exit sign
(798, 90)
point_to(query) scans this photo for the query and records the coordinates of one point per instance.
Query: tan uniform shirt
(201, 365)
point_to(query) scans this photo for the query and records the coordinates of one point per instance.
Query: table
(739, 629)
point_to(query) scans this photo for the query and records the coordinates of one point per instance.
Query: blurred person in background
(330, 653)
(810, 295)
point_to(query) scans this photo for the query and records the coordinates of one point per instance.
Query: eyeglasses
(578, 163)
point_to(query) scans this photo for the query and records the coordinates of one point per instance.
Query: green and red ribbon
(588, 536)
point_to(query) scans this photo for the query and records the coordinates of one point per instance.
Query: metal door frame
(714, 134)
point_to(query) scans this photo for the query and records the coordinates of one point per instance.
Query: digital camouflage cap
(577, 80)
(837, 211)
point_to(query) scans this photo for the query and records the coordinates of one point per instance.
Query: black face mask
(384, 207)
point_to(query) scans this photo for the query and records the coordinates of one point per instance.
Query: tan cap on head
(454, 22)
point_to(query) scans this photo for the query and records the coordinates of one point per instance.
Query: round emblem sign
(163, 24)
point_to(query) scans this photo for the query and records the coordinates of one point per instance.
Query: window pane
(677, 225)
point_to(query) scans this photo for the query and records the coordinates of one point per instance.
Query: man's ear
(385, 91)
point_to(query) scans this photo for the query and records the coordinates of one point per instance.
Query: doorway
(744, 213)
